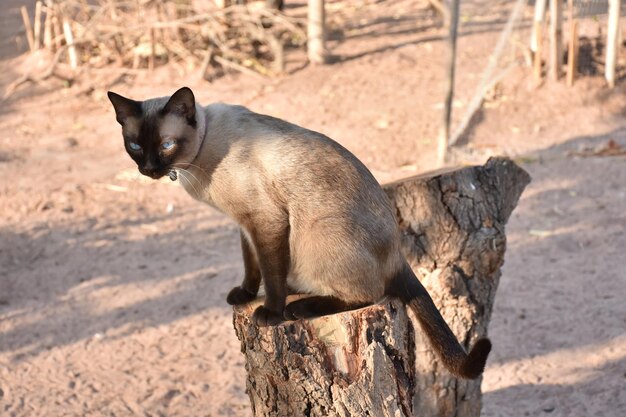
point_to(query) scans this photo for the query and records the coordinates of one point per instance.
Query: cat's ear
(124, 107)
(182, 103)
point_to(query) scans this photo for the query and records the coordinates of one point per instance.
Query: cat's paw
(238, 296)
(265, 317)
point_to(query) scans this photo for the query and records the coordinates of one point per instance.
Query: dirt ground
(112, 286)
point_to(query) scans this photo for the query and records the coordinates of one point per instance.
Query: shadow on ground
(603, 387)
(558, 322)
(136, 275)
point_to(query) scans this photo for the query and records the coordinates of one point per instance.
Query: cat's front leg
(249, 288)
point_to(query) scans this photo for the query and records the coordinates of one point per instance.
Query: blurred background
(113, 286)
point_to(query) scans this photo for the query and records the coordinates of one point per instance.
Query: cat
(312, 217)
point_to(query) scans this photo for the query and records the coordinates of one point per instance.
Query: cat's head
(160, 134)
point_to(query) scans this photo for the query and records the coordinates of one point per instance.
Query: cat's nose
(148, 169)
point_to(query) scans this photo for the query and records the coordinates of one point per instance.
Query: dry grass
(130, 37)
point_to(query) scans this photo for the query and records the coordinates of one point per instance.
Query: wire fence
(592, 16)
(569, 42)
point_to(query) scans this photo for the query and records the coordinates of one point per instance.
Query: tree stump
(376, 361)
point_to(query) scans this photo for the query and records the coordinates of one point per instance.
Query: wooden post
(538, 21)
(316, 32)
(572, 55)
(538, 55)
(37, 25)
(612, 42)
(444, 133)
(278, 52)
(222, 4)
(274, 4)
(556, 38)
(58, 31)
(69, 40)
(376, 361)
(47, 31)
(536, 40)
(28, 28)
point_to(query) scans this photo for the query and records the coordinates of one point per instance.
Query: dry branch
(230, 64)
(37, 25)
(376, 361)
(36, 79)
(28, 28)
(137, 35)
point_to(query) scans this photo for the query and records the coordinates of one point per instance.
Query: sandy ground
(112, 287)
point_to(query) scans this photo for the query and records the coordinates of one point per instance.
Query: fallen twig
(35, 79)
(233, 65)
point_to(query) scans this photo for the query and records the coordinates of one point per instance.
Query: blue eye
(134, 146)
(168, 144)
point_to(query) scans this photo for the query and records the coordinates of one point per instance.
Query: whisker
(181, 171)
(191, 173)
(185, 179)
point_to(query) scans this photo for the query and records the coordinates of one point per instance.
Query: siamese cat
(313, 218)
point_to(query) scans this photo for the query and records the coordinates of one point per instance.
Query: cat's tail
(470, 365)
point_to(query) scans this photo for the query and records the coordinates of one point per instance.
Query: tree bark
(376, 361)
